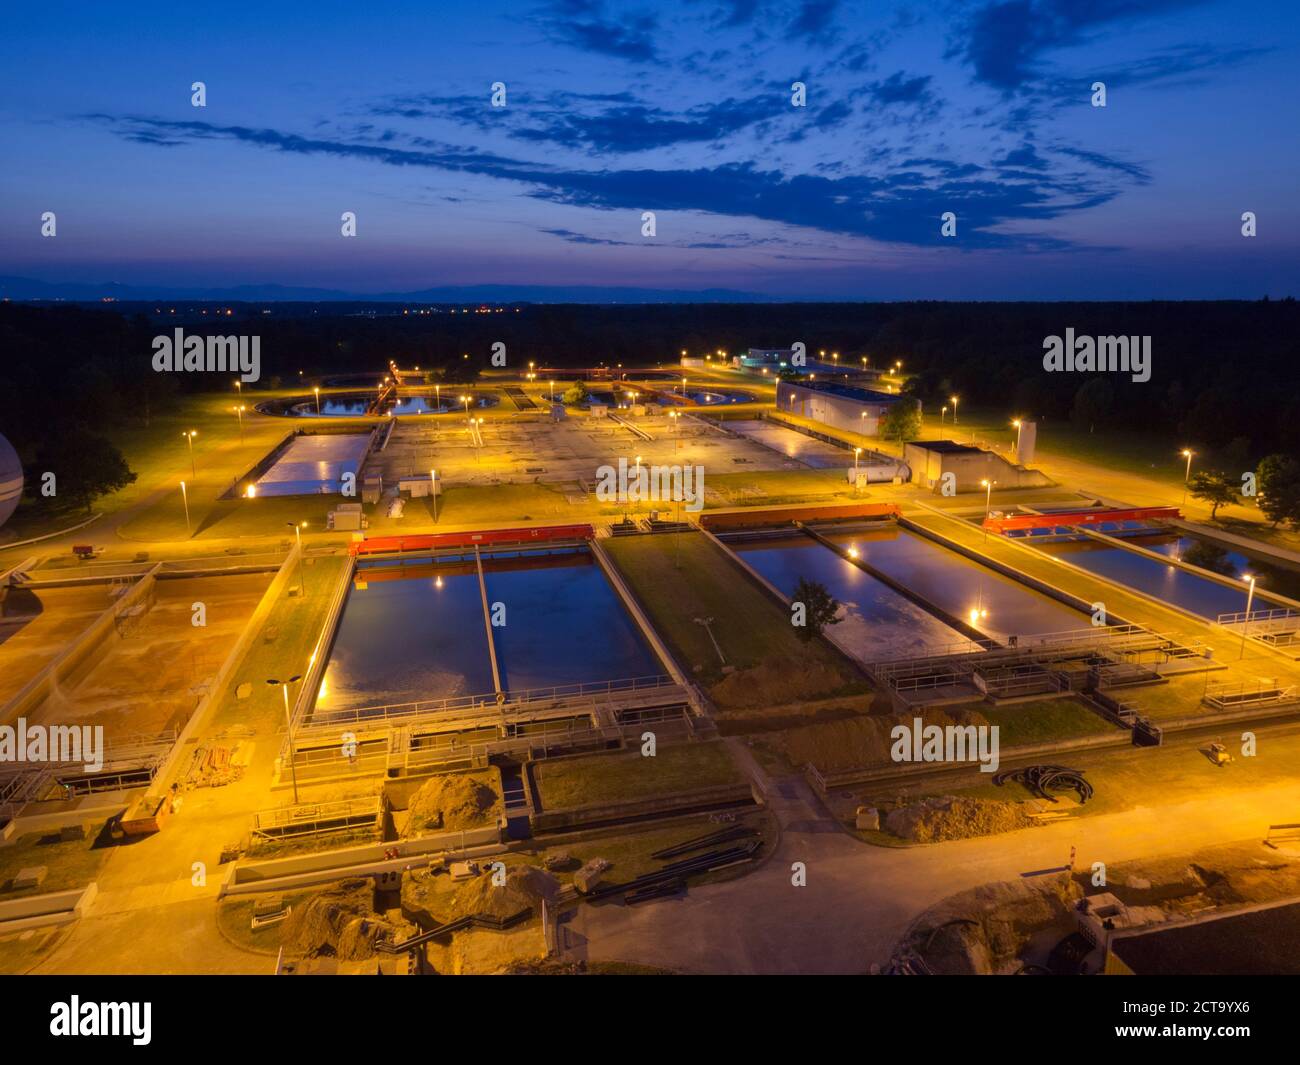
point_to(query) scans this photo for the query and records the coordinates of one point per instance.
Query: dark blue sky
(682, 108)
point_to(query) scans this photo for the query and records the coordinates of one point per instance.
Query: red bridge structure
(540, 534)
(1069, 518)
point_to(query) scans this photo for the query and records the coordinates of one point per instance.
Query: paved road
(859, 899)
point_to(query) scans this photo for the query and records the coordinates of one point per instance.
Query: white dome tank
(11, 480)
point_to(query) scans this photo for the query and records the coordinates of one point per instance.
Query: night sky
(681, 108)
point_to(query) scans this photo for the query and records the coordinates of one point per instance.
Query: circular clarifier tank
(11, 480)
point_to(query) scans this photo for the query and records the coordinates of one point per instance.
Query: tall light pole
(239, 413)
(466, 401)
(988, 501)
(953, 401)
(288, 720)
(189, 435)
(317, 391)
(943, 414)
(674, 415)
(1018, 424)
(1250, 598)
(1187, 475)
(185, 499)
(552, 390)
(433, 487)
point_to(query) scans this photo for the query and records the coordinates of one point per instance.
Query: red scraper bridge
(1068, 518)
(540, 534)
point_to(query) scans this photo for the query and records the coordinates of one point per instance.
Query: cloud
(1004, 42)
(814, 20)
(900, 89)
(583, 25)
(900, 206)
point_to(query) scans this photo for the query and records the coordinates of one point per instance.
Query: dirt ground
(152, 677)
(38, 625)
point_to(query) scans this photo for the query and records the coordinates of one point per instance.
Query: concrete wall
(839, 412)
(36, 911)
(969, 468)
(322, 866)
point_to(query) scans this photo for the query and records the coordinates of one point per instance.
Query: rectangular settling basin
(415, 630)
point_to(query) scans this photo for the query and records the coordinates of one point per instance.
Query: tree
(1277, 487)
(575, 394)
(1213, 488)
(85, 465)
(901, 422)
(820, 608)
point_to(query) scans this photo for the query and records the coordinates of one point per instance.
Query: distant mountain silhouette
(26, 288)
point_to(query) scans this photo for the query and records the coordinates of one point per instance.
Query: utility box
(415, 487)
(346, 517)
(372, 488)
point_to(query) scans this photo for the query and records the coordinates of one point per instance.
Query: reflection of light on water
(437, 582)
(853, 552)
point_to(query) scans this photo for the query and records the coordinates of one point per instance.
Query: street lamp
(674, 415)
(185, 499)
(953, 401)
(1250, 598)
(1187, 476)
(988, 500)
(316, 389)
(189, 435)
(1018, 424)
(465, 400)
(433, 487)
(239, 413)
(552, 389)
(943, 414)
(288, 720)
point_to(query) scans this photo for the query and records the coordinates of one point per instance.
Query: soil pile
(986, 930)
(451, 803)
(950, 817)
(524, 888)
(776, 681)
(339, 921)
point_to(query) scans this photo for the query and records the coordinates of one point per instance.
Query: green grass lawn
(297, 621)
(604, 778)
(70, 864)
(1181, 697)
(160, 457)
(1141, 776)
(1043, 721)
(681, 576)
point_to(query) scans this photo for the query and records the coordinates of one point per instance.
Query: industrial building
(932, 460)
(839, 406)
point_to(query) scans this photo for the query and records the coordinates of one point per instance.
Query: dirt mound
(524, 889)
(987, 929)
(451, 803)
(950, 817)
(339, 921)
(776, 681)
